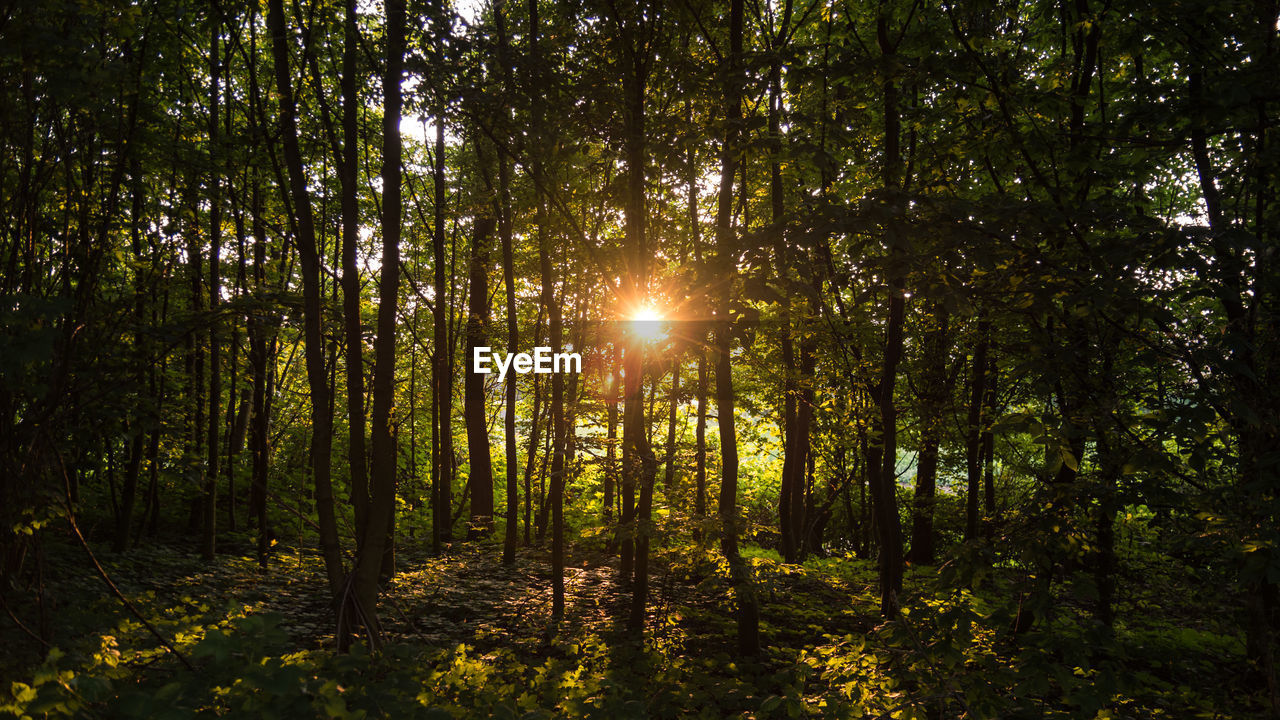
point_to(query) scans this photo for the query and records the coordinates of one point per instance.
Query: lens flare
(648, 325)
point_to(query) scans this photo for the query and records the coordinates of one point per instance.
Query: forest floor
(468, 636)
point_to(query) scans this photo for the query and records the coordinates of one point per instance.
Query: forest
(639, 358)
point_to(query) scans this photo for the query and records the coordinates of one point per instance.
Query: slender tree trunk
(556, 489)
(442, 367)
(557, 424)
(348, 169)
(415, 498)
(700, 450)
(989, 443)
(884, 483)
(509, 285)
(544, 504)
(700, 431)
(816, 518)
(239, 434)
(573, 396)
(803, 516)
(259, 326)
(614, 390)
(748, 604)
(531, 453)
(640, 465)
(133, 469)
(151, 512)
(790, 498)
(317, 380)
(973, 443)
(238, 428)
(209, 508)
(382, 475)
(259, 331)
(865, 521)
(195, 356)
(883, 462)
(673, 406)
(156, 379)
(1104, 561)
(156, 384)
(480, 479)
(644, 466)
(513, 344)
(627, 497)
(933, 398)
(640, 462)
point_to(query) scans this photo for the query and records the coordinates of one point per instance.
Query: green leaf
(23, 692)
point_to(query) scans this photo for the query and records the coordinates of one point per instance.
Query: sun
(647, 325)
(646, 314)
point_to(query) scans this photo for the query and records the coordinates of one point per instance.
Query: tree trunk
(700, 431)
(989, 442)
(803, 517)
(480, 478)
(669, 478)
(531, 454)
(748, 604)
(208, 529)
(236, 442)
(382, 475)
(614, 391)
(933, 399)
(700, 450)
(194, 355)
(259, 326)
(312, 312)
(884, 478)
(509, 285)
(442, 366)
(639, 464)
(973, 443)
(133, 469)
(791, 496)
(260, 331)
(238, 427)
(557, 425)
(865, 524)
(1104, 561)
(348, 173)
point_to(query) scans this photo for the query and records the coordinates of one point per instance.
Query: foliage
(951, 652)
(1000, 273)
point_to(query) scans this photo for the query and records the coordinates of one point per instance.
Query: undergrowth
(469, 639)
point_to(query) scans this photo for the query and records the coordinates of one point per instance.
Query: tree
(382, 476)
(349, 174)
(556, 423)
(509, 285)
(480, 477)
(1023, 252)
(748, 608)
(442, 365)
(317, 381)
